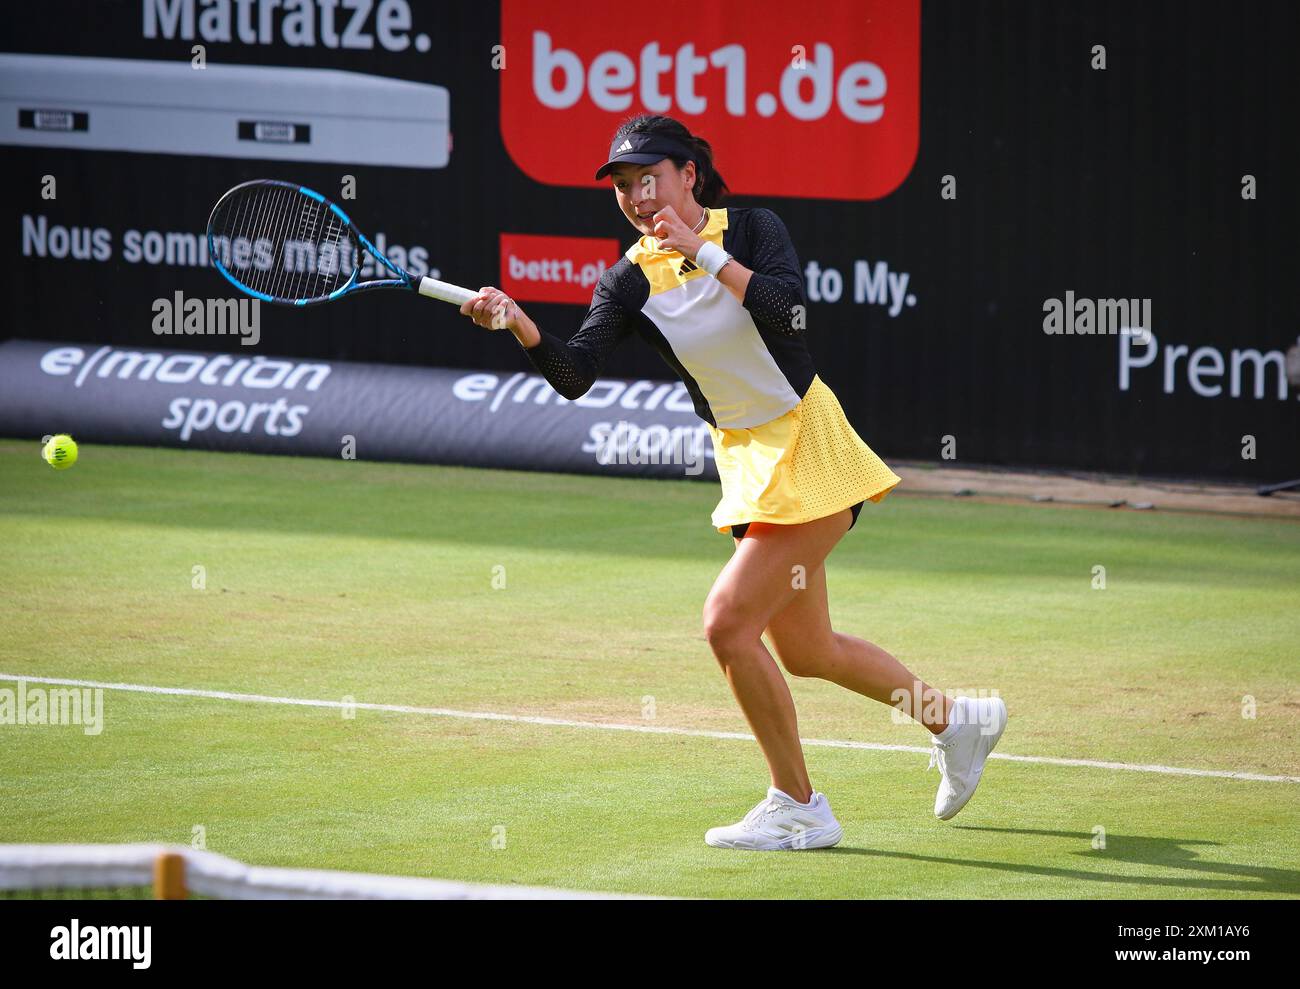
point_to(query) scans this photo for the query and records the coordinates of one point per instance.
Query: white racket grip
(445, 291)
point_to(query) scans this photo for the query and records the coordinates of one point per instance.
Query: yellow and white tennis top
(743, 364)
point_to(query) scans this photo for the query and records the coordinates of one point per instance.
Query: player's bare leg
(807, 646)
(759, 581)
(965, 730)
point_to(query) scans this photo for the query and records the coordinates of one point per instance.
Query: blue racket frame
(404, 278)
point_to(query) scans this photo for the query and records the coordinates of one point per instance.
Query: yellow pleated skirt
(804, 465)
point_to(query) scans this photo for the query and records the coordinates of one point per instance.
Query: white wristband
(711, 258)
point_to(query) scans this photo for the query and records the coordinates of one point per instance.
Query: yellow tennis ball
(60, 452)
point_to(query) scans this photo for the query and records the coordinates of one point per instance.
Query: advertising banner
(1020, 245)
(262, 404)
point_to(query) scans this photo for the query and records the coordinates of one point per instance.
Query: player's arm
(570, 368)
(773, 291)
(771, 287)
(735, 277)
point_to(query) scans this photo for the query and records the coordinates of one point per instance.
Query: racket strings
(279, 242)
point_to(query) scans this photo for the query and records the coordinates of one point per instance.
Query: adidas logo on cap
(625, 146)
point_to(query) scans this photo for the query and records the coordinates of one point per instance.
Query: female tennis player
(720, 295)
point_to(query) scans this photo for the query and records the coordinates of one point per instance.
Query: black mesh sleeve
(776, 287)
(571, 368)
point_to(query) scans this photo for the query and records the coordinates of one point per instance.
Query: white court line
(444, 712)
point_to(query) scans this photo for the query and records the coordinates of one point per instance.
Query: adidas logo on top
(625, 146)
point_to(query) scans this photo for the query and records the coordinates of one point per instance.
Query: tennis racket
(281, 242)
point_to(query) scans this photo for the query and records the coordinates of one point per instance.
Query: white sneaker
(961, 759)
(778, 823)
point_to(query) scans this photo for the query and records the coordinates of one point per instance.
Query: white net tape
(83, 867)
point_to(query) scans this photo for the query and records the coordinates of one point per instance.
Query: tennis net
(174, 872)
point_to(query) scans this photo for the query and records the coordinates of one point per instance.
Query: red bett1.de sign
(541, 268)
(797, 100)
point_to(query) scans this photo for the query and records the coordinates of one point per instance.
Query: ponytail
(710, 188)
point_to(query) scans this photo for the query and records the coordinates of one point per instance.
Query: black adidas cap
(639, 148)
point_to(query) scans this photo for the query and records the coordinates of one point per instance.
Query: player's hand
(673, 233)
(492, 309)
